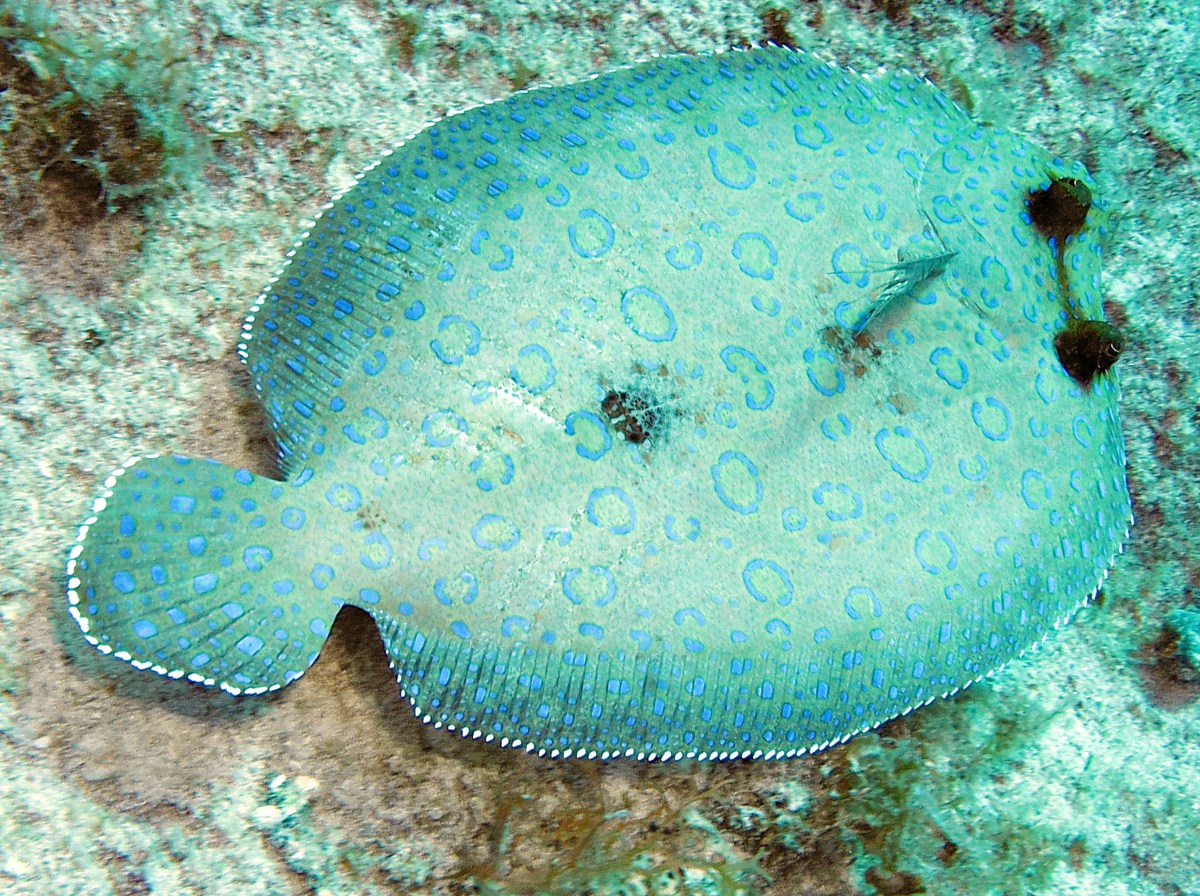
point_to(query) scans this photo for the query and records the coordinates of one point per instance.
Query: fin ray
(172, 573)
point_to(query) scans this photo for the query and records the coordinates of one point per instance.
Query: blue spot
(182, 504)
(204, 583)
(123, 582)
(250, 645)
(143, 628)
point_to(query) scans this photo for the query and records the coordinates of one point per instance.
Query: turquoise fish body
(706, 408)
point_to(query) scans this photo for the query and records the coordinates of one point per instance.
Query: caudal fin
(195, 570)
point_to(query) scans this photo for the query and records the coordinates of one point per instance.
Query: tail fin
(196, 570)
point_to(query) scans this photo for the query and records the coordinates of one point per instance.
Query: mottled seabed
(215, 136)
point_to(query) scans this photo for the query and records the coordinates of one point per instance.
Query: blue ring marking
(793, 519)
(742, 184)
(611, 491)
(551, 371)
(730, 457)
(771, 310)
(471, 348)
(344, 496)
(825, 488)
(904, 433)
(610, 592)
(506, 476)
(645, 292)
(372, 364)
(560, 198)
(862, 591)
(832, 434)
(911, 163)
(432, 439)
(943, 353)
(424, 549)
(777, 626)
(838, 271)
(740, 246)
(576, 417)
(255, 557)
(673, 255)
(728, 355)
(784, 598)
(940, 205)
(643, 169)
(512, 624)
(810, 356)
(1076, 424)
(292, 518)
(1026, 478)
(990, 434)
(488, 544)
(919, 550)
(669, 529)
(815, 201)
(320, 575)
(721, 415)
(439, 589)
(377, 553)
(826, 135)
(606, 242)
(978, 473)
(990, 261)
(382, 429)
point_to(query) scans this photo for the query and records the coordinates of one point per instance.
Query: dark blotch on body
(630, 414)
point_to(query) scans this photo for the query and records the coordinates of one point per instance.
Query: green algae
(103, 120)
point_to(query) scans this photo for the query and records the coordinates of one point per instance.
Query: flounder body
(708, 407)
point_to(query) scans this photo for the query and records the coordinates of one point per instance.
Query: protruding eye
(1060, 210)
(1087, 348)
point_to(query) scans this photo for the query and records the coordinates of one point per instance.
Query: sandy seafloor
(1074, 771)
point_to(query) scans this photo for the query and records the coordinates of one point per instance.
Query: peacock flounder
(711, 407)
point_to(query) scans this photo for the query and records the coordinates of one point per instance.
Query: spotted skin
(821, 523)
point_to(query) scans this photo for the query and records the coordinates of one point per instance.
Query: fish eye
(1087, 348)
(1060, 210)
